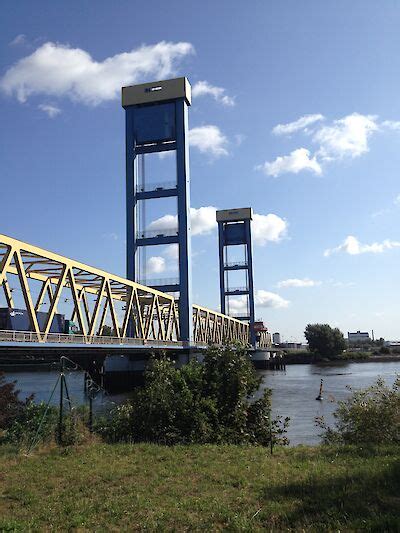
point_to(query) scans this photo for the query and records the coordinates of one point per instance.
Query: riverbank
(304, 358)
(307, 358)
(135, 487)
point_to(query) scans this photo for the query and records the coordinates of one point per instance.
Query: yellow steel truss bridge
(105, 308)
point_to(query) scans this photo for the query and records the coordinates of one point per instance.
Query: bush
(38, 423)
(10, 405)
(24, 427)
(211, 402)
(353, 356)
(384, 350)
(25, 422)
(368, 416)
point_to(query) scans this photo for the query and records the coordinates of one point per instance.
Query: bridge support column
(234, 232)
(157, 122)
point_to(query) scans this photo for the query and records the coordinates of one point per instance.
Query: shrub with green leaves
(34, 420)
(10, 405)
(209, 402)
(368, 416)
(25, 422)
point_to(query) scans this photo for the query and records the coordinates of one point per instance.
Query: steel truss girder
(153, 315)
(211, 327)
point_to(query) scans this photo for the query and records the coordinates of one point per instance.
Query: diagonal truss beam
(153, 315)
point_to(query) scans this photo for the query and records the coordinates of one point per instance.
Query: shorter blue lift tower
(234, 232)
(157, 121)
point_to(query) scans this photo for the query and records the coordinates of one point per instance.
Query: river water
(294, 391)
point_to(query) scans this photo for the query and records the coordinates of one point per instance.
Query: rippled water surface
(294, 391)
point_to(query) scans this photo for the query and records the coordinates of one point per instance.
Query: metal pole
(60, 420)
(90, 413)
(250, 281)
(221, 267)
(270, 434)
(184, 224)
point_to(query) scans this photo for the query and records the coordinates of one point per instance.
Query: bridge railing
(62, 338)
(137, 313)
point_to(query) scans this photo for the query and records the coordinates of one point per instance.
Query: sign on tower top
(157, 91)
(235, 215)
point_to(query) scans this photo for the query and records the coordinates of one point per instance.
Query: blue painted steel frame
(247, 224)
(223, 242)
(183, 238)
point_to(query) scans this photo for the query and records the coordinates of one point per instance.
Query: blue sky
(295, 113)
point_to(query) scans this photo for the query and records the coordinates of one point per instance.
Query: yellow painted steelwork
(153, 315)
(264, 340)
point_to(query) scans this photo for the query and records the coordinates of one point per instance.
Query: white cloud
(209, 139)
(203, 88)
(18, 40)
(172, 252)
(269, 299)
(295, 162)
(300, 124)
(268, 228)
(164, 223)
(59, 70)
(352, 246)
(387, 210)
(202, 221)
(295, 282)
(265, 228)
(238, 305)
(51, 110)
(391, 124)
(155, 265)
(262, 298)
(347, 136)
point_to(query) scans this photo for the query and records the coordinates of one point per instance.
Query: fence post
(270, 432)
(60, 419)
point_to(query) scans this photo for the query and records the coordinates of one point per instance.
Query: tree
(324, 340)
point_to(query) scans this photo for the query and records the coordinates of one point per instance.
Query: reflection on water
(294, 391)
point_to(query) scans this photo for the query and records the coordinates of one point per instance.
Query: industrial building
(358, 336)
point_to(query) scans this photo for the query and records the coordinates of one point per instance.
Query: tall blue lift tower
(157, 122)
(236, 264)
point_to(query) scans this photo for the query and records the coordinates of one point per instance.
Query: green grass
(135, 487)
